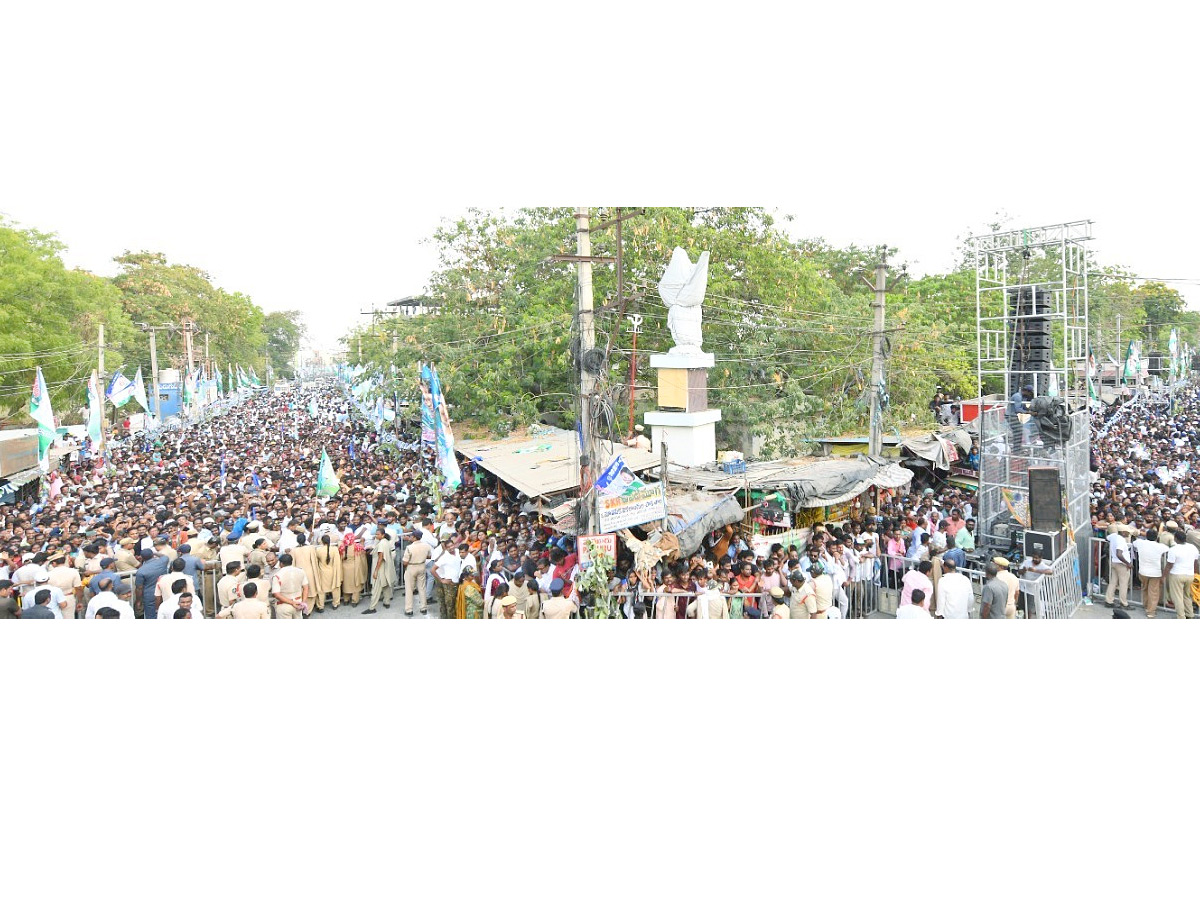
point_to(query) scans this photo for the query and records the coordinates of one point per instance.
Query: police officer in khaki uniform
(414, 557)
(227, 586)
(781, 610)
(250, 606)
(558, 606)
(383, 574)
(126, 561)
(290, 588)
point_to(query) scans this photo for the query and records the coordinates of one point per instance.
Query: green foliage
(284, 331)
(50, 317)
(156, 292)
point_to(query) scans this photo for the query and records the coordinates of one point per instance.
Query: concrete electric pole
(875, 445)
(587, 343)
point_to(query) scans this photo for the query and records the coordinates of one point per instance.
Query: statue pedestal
(683, 419)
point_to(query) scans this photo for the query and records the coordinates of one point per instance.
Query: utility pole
(875, 445)
(101, 383)
(101, 377)
(586, 312)
(1123, 358)
(587, 381)
(154, 376)
(153, 330)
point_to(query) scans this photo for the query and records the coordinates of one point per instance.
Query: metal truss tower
(1031, 301)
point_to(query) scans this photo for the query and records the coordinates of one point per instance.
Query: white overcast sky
(301, 153)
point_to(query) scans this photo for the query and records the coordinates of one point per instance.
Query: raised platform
(675, 359)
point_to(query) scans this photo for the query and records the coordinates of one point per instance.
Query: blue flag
(222, 471)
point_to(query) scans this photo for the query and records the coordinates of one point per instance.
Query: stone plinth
(691, 437)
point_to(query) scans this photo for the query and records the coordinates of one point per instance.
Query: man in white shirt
(445, 573)
(914, 610)
(58, 600)
(27, 574)
(955, 594)
(1150, 555)
(1119, 562)
(1183, 561)
(106, 599)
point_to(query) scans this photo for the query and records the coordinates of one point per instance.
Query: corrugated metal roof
(545, 460)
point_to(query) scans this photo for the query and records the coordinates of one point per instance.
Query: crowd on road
(222, 519)
(1146, 500)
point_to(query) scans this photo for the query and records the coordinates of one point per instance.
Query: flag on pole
(1052, 389)
(1173, 349)
(1130, 362)
(139, 390)
(189, 392)
(327, 482)
(95, 423)
(222, 471)
(40, 412)
(120, 390)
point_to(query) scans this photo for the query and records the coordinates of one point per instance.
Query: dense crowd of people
(1146, 500)
(234, 498)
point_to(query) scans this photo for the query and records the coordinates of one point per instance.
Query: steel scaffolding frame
(1030, 280)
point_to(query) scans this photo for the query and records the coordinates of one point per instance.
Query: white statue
(682, 289)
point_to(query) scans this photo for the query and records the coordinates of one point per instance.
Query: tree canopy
(789, 322)
(50, 317)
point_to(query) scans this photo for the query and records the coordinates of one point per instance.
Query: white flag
(120, 390)
(139, 390)
(40, 412)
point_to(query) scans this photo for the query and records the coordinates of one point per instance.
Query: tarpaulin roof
(808, 482)
(545, 460)
(933, 446)
(692, 515)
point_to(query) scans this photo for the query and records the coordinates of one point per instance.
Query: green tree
(50, 317)
(158, 292)
(284, 331)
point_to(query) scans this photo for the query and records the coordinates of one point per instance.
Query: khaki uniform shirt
(246, 609)
(416, 554)
(66, 579)
(126, 561)
(226, 589)
(1010, 581)
(289, 582)
(557, 608)
(264, 589)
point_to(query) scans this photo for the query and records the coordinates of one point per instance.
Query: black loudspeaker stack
(1031, 352)
(1045, 499)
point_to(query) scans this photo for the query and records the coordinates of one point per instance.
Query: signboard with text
(605, 543)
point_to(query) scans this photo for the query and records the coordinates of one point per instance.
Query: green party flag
(40, 412)
(327, 483)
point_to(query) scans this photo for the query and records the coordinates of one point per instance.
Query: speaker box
(1036, 341)
(1048, 544)
(1045, 498)
(1038, 356)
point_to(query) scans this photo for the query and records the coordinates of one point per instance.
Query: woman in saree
(470, 596)
(329, 571)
